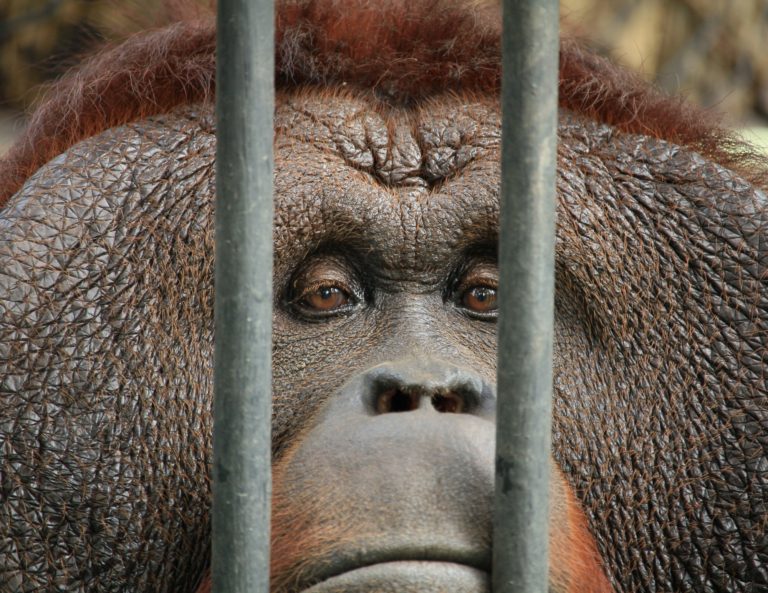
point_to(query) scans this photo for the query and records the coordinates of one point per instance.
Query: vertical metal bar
(242, 483)
(526, 292)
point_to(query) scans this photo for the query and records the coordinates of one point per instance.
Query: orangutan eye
(325, 287)
(482, 299)
(325, 298)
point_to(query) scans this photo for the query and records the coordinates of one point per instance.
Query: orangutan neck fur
(399, 51)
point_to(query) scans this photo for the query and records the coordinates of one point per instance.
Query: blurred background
(715, 52)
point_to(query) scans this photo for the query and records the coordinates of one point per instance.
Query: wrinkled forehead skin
(407, 187)
(106, 260)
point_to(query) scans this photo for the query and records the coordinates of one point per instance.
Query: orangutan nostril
(448, 403)
(395, 400)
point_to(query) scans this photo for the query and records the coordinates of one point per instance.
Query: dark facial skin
(407, 263)
(384, 358)
(407, 259)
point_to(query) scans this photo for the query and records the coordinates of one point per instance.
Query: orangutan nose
(406, 386)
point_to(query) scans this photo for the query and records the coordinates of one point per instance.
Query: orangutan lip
(347, 562)
(407, 576)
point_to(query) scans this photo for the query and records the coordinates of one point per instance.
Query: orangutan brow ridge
(417, 149)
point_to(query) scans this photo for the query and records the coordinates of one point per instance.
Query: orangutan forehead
(418, 147)
(394, 181)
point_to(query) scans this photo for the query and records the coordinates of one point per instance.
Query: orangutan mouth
(407, 576)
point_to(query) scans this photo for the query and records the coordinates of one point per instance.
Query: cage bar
(526, 295)
(242, 483)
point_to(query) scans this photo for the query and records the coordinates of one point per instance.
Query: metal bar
(242, 485)
(526, 292)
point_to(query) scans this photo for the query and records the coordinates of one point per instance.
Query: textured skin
(669, 256)
(106, 389)
(661, 416)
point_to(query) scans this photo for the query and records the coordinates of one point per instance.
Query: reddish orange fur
(575, 564)
(402, 50)
(592, 86)
(205, 586)
(146, 75)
